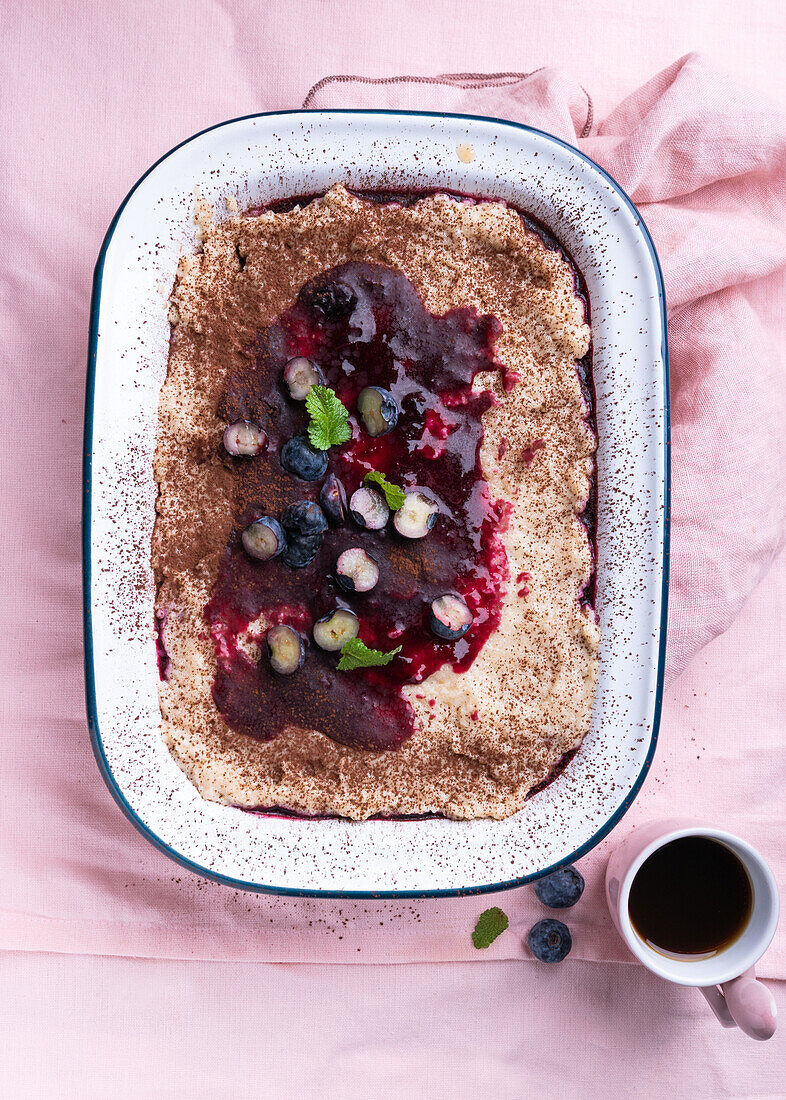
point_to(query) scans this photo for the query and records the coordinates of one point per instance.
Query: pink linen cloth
(707, 165)
(489, 1031)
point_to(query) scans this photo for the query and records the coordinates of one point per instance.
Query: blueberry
(298, 457)
(335, 629)
(300, 374)
(416, 516)
(264, 539)
(561, 889)
(356, 571)
(301, 550)
(449, 618)
(369, 508)
(244, 438)
(549, 940)
(333, 498)
(378, 410)
(304, 517)
(330, 301)
(286, 650)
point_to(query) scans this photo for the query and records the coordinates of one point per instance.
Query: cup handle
(717, 1002)
(751, 1005)
(745, 1003)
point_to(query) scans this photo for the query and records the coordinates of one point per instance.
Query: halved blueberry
(561, 888)
(449, 617)
(300, 374)
(298, 457)
(333, 630)
(549, 940)
(369, 508)
(333, 498)
(416, 516)
(243, 437)
(356, 571)
(378, 410)
(304, 517)
(301, 550)
(264, 538)
(286, 650)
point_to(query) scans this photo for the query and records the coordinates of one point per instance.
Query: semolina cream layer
(485, 737)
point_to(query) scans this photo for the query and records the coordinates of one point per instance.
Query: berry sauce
(362, 324)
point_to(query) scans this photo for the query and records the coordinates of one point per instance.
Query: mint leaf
(329, 424)
(491, 923)
(356, 654)
(394, 495)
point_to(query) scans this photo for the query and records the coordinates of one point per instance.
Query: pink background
(100, 91)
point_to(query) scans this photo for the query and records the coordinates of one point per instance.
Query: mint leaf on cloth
(394, 495)
(356, 654)
(329, 424)
(491, 923)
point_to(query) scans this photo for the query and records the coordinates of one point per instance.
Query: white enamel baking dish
(264, 157)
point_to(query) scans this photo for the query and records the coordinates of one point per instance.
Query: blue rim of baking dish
(90, 688)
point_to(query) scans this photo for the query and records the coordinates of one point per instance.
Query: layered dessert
(373, 544)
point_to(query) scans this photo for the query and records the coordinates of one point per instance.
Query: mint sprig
(329, 423)
(394, 494)
(356, 654)
(491, 923)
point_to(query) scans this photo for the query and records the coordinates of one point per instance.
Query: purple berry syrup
(385, 337)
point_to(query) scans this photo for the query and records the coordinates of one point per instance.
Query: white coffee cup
(740, 1000)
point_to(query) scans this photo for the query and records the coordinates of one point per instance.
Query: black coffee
(691, 897)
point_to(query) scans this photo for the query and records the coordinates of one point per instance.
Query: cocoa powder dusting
(498, 715)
